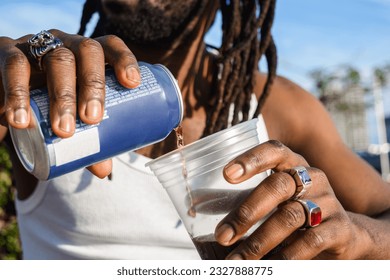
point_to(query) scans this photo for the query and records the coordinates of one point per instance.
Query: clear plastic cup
(192, 176)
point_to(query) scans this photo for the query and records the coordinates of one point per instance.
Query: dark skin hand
(352, 227)
(285, 222)
(81, 57)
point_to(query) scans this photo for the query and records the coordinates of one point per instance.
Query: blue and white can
(133, 118)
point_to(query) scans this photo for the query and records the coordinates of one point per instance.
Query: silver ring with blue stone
(302, 180)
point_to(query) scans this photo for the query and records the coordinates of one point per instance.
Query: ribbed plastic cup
(193, 178)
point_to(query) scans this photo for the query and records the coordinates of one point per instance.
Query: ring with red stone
(313, 213)
(302, 180)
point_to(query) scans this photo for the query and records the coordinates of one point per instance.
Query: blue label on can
(133, 118)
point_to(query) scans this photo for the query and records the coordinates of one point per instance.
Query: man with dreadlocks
(79, 215)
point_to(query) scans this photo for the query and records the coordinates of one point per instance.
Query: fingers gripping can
(133, 118)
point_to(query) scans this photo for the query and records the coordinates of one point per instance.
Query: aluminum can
(133, 118)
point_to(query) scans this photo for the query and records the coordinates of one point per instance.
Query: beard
(145, 23)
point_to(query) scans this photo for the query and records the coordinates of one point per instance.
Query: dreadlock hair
(89, 9)
(246, 37)
(246, 27)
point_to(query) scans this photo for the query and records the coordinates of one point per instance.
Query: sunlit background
(320, 44)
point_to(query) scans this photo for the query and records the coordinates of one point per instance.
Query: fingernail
(93, 110)
(20, 116)
(235, 257)
(224, 233)
(234, 171)
(66, 122)
(133, 75)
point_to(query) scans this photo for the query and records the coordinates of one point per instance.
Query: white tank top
(79, 216)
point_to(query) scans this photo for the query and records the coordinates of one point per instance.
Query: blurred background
(339, 50)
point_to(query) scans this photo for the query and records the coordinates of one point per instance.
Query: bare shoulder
(292, 113)
(296, 118)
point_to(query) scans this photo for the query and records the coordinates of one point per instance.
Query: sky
(309, 34)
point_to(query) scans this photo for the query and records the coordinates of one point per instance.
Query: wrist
(368, 238)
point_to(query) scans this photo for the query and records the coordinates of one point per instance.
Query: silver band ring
(302, 180)
(313, 213)
(42, 43)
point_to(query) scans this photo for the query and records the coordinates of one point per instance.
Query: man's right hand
(78, 64)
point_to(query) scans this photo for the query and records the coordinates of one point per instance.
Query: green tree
(9, 237)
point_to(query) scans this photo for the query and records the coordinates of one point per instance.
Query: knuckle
(291, 216)
(289, 255)
(300, 158)
(95, 81)
(4, 39)
(276, 144)
(253, 248)
(126, 54)
(339, 242)
(16, 94)
(319, 174)
(278, 185)
(278, 147)
(313, 240)
(321, 177)
(252, 159)
(243, 214)
(54, 31)
(91, 45)
(284, 256)
(131, 58)
(343, 222)
(112, 39)
(61, 55)
(15, 59)
(64, 95)
(321, 181)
